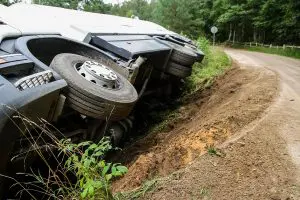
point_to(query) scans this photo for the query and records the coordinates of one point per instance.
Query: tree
(8, 2)
(97, 6)
(276, 21)
(71, 4)
(174, 14)
(139, 8)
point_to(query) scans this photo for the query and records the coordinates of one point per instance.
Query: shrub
(84, 161)
(93, 174)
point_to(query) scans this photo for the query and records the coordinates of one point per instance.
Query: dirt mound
(207, 119)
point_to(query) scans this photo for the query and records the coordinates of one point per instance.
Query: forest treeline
(264, 21)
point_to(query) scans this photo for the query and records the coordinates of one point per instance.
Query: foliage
(214, 64)
(174, 14)
(212, 151)
(266, 21)
(77, 171)
(8, 2)
(139, 8)
(71, 4)
(93, 174)
(97, 6)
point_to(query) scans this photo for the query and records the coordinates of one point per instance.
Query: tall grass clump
(213, 64)
(79, 170)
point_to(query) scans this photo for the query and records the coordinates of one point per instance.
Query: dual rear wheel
(181, 60)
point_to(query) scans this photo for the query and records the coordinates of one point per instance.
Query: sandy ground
(260, 160)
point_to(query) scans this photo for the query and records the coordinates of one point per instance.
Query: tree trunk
(233, 40)
(254, 35)
(260, 36)
(243, 33)
(230, 32)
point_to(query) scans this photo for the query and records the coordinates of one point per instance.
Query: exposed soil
(261, 160)
(207, 119)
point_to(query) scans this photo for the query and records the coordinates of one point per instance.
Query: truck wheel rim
(98, 74)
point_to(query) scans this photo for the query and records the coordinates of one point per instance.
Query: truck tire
(90, 98)
(182, 55)
(178, 70)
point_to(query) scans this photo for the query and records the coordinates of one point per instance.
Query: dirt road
(262, 159)
(284, 115)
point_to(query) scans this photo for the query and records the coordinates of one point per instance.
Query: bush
(93, 174)
(213, 64)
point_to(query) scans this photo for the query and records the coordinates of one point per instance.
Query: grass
(214, 64)
(288, 52)
(204, 192)
(164, 119)
(147, 186)
(212, 151)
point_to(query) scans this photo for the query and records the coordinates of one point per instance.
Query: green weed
(212, 151)
(84, 161)
(93, 174)
(204, 192)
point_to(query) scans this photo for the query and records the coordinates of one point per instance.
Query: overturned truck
(82, 72)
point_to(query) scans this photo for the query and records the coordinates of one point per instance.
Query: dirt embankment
(262, 160)
(207, 119)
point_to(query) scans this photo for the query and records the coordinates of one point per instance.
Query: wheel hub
(99, 74)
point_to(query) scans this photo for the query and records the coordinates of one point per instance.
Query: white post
(270, 45)
(283, 46)
(250, 44)
(214, 38)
